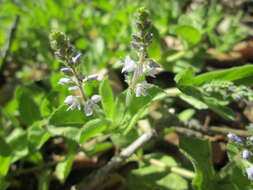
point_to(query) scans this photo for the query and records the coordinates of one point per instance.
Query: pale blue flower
(73, 88)
(141, 89)
(90, 105)
(246, 154)
(73, 102)
(235, 138)
(92, 78)
(250, 172)
(76, 59)
(64, 81)
(129, 65)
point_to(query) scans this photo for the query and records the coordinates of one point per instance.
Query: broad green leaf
(185, 78)
(214, 104)
(63, 168)
(5, 149)
(93, 128)
(199, 153)
(149, 177)
(29, 110)
(186, 114)
(18, 143)
(5, 163)
(37, 136)
(102, 147)
(108, 104)
(188, 33)
(62, 117)
(72, 132)
(233, 74)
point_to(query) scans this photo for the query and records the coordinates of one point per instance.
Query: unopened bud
(67, 71)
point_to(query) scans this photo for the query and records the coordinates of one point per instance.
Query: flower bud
(92, 78)
(77, 58)
(67, 71)
(136, 37)
(73, 88)
(135, 45)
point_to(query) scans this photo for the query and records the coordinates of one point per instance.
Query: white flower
(90, 105)
(64, 81)
(140, 89)
(73, 88)
(96, 98)
(151, 69)
(250, 172)
(73, 103)
(76, 59)
(129, 65)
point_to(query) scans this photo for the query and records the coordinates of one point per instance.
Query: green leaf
(37, 136)
(108, 104)
(233, 74)
(189, 33)
(62, 117)
(93, 128)
(148, 177)
(18, 143)
(199, 153)
(72, 132)
(5, 163)
(5, 149)
(195, 96)
(63, 168)
(29, 110)
(185, 78)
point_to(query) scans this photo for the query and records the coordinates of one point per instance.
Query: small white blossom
(64, 81)
(246, 154)
(73, 88)
(73, 103)
(129, 65)
(96, 98)
(90, 105)
(141, 89)
(250, 172)
(76, 59)
(151, 69)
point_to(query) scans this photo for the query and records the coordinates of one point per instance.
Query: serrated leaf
(199, 153)
(108, 104)
(18, 143)
(233, 74)
(188, 33)
(92, 128)
(37, 136)
(62, 117)
(28, 109)
(149, 177)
